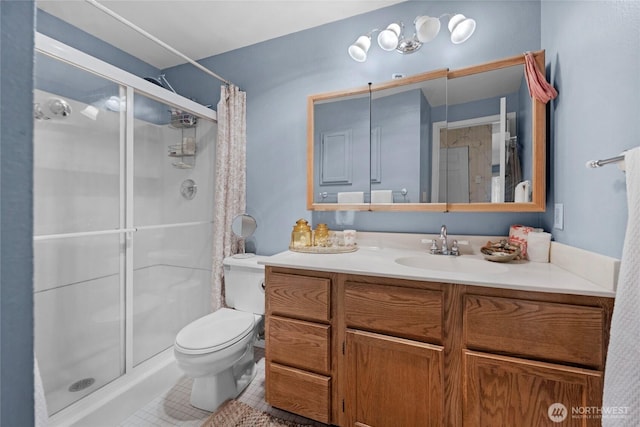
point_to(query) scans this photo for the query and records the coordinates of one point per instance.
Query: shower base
(117, 400)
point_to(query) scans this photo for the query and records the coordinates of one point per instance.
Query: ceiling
(201, 28)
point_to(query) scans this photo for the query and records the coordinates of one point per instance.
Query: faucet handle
(455, 251)
(434, 247)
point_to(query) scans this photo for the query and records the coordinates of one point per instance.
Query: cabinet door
(392, 381)
(507, 391)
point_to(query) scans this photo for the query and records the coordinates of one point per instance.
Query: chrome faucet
(444, 245)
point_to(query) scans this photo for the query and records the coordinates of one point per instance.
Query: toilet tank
(243, 282)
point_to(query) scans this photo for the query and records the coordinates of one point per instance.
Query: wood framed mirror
(465, 140)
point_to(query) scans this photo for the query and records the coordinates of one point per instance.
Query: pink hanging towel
(539, 88)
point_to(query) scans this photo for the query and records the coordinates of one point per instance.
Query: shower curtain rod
(155, 39)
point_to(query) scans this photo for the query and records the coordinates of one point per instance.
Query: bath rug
(234, 413)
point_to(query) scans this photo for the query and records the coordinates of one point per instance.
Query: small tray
(500, 251)
(325, 250)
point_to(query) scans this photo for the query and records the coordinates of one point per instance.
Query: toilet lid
(215, 331)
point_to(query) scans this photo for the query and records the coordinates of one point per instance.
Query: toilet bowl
(217, 350)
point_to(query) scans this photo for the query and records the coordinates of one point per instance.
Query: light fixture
(358, 50)
(388, 39)
(426, 29)
(90, 111)
(461, 28)
(113, 103)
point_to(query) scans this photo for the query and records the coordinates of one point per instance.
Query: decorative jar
(301, 235)
(321, 237)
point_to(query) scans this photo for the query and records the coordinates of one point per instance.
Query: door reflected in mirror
(486, 154)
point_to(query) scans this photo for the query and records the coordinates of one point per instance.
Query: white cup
(349, 237)
(538, 244)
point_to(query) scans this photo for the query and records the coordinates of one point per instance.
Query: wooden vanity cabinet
(354, 350)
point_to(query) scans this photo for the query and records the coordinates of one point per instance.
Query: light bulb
(358, 50)
(388, 38)
(461, 28)
(427, 28)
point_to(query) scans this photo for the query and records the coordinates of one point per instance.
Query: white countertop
(380, 260)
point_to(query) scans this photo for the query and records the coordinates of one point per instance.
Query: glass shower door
(172, 211)
(78, 221)
(122, 225)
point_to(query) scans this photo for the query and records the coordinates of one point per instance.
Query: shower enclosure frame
(129, 84)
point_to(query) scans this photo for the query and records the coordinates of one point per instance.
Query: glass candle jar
(301, 235)
(321, 237)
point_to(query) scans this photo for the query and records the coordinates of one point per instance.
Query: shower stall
(123, 199)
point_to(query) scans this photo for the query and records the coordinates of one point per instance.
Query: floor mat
(237, 414)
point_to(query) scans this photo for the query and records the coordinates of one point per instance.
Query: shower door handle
(128, 236)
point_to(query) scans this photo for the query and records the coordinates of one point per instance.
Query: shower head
(161, 81)
(54, 108)
(59, 108)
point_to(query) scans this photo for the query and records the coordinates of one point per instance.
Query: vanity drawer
(300, 392)
(548, 331)
(299, 296)
(299, 343)
(403, 312)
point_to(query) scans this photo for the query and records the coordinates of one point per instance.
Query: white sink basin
(453, 264)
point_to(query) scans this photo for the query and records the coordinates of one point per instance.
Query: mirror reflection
(243, 226)
(488, 138)
(402, 117)
(470, 139)
(341, 149)
(374, 145)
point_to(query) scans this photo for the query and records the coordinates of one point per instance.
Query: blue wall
(593, 58)
(16, 190)
(279, 74)
(397, 118)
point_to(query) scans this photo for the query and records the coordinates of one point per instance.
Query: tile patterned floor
(173, 409)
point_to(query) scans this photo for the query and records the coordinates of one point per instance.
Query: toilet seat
(214, 331)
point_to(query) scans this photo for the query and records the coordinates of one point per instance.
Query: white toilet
(217, 349)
